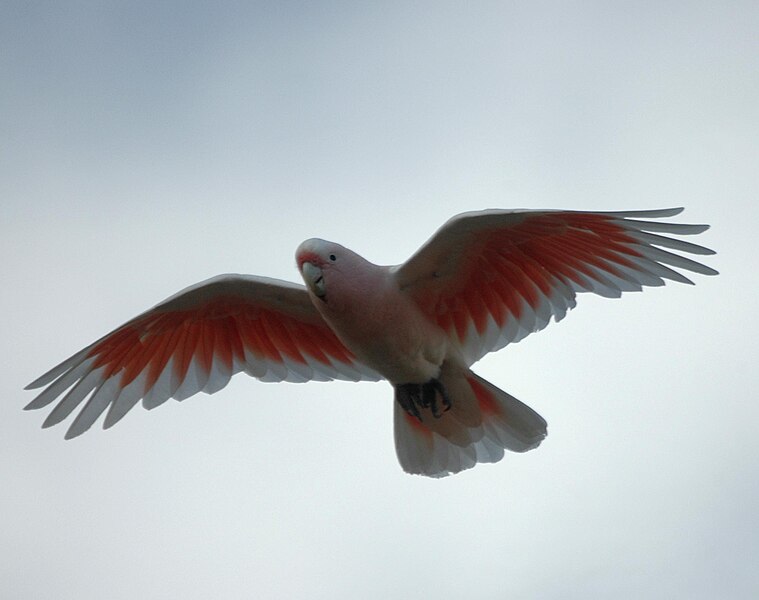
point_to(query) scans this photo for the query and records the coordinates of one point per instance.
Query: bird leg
(415, 396)
(440, 388)
(408, 395)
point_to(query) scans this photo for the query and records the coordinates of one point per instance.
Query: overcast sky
(147, 146)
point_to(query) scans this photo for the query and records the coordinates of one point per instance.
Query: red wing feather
(195, 341)
(490, 278)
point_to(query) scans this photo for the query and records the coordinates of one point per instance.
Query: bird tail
(458, 420)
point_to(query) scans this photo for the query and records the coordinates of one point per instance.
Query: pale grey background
(144, 148)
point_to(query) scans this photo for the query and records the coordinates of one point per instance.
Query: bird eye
(332, 257)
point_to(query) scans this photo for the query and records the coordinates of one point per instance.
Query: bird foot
(415, 396)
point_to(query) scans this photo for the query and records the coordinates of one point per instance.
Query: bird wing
(491, 278)
(194, 342)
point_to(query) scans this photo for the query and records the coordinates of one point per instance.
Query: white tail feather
(481, 423)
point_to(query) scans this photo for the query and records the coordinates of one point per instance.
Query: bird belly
(398, 342)
(401, 360)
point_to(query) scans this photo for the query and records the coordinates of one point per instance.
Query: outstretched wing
(491, 278)
(194, 342)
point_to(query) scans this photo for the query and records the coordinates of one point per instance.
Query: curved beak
(312, 275)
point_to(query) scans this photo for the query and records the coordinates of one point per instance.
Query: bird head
(317, 259)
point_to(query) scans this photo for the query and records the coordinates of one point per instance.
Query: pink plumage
(484, 280)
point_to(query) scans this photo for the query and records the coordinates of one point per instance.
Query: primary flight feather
(484, 280)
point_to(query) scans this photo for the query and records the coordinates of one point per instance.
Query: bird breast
(385, 329)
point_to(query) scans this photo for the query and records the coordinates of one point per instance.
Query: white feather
(74, 397)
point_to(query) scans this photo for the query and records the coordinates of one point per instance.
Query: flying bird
(483, 280)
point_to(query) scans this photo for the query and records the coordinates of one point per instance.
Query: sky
(147, 146)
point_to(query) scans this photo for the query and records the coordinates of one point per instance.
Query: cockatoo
(484, 280)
